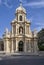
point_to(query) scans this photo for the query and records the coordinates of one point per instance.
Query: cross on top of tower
(20, 8)
(20, 2)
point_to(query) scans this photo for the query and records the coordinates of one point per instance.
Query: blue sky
(34, 9)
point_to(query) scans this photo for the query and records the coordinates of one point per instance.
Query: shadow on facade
(1, 45)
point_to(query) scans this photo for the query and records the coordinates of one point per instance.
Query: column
(12, 49)
(12, 31)
(25, 46)
(29, 46)
(16, 28)
(25, 28)
(16, 46)
(7, 46)
(4, 46)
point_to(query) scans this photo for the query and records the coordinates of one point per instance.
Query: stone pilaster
(12, 49)
(29, 46)
(25, 28)
(4, 46)
(16, 46)
(16, 28)
(12, 29)
(25, 49)
(7, 46)
(12, 32)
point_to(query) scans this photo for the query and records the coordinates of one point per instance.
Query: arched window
(20, 18)
(20, 30)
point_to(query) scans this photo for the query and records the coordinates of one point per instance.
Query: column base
(12, 51)
(16, 51)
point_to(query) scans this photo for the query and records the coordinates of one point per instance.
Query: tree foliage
(41, 39)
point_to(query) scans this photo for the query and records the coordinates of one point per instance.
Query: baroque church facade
(20, 38)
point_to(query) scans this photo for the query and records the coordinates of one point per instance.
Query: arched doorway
(20, 46)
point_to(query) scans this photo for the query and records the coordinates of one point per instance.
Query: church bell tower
(20, 13)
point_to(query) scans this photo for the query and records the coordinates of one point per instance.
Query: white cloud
(35, 4)
(0, 2)
(6, 3)
(40, 24)
(21, 0)
(38, 28)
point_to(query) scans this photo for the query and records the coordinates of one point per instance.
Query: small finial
(6, 30)
(20, 2)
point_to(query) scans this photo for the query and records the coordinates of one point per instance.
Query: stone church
(20, 38)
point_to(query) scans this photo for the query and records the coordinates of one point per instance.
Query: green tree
(41, 39)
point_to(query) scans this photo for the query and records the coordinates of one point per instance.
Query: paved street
(22, 60)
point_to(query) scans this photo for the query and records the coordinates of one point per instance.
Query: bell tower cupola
(20, 13)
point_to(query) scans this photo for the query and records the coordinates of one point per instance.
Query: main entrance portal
(20, 46)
